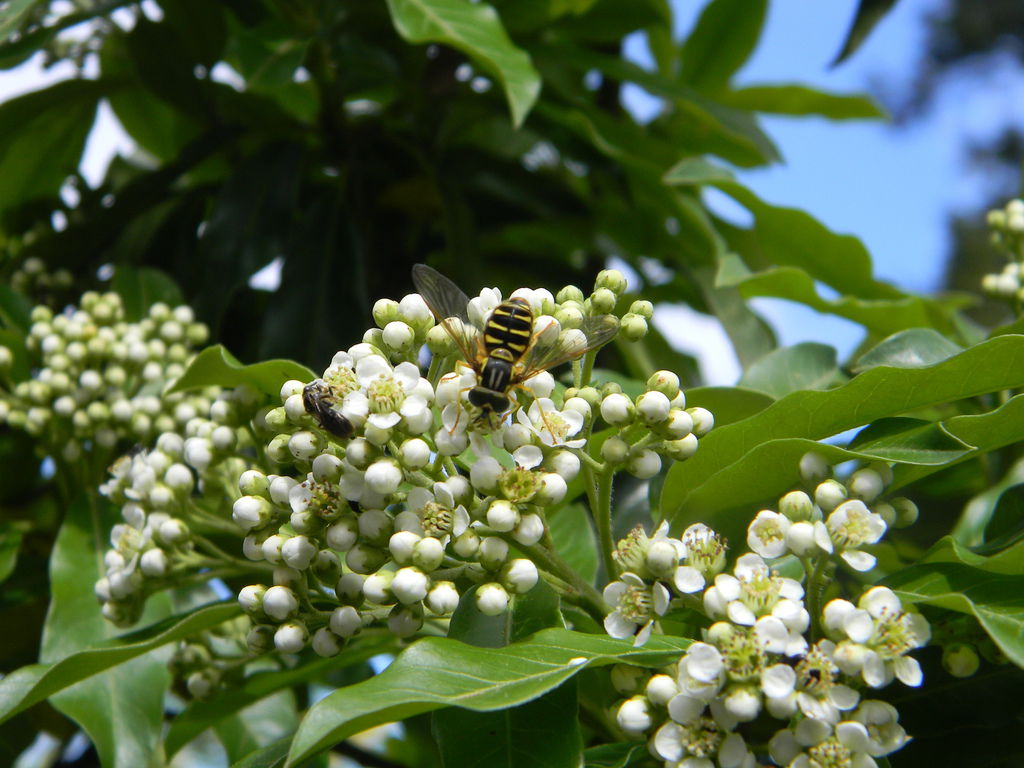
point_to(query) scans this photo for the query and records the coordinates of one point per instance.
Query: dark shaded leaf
(804, 366)
(722, 40)
(869, 13)
(216, 367)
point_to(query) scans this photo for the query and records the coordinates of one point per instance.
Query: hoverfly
(507, 351)
(319, 403)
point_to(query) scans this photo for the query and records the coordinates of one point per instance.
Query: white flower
(553, 427)
(880, 733)
(851, 524)
(390, 393)
(766, 534)
(635, 607)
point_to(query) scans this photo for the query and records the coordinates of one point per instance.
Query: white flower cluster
(670, 429)
(372, 528)
(656, 569)
(170, 496)
(755, 661)
(831, 519)
(95, 378)
(1007, 233)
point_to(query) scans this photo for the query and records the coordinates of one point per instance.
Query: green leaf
(42, 135)
(259, 725)
(15, 309)
(800, 100)
(141, 287)
(30, 685)
(803, 366)
(913, 348)
(537, 733)
(10, 544)
(996, 600)
(203, 714)
(721, 42)
(969, 530)
(771, 468)
(869, 13)
(13, 13)
(121, 710)
(216, 367)
(877, 393)
(985, 431)
(1009, 561)
(438, 672)
(881, 316)
(574, 539)
(476, 30)
(270, 756)
(619, 755)
(728, 404)
(694, 171)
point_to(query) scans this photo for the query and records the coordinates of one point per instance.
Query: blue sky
(893, 187)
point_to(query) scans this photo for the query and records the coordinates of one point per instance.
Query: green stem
(588, 368)
(571, 583)
(816, 583)
(601, 508)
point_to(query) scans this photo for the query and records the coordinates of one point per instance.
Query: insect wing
(595, 331)
(448, 303)
(444, 297)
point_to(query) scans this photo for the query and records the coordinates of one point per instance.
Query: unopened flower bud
(653, 407)
(617, 409)
(634, 716)
(602, 301)
(493, 553)
(326, 643)
(633, 327)
(443, 598)
(643, 308)
(645, 464)
(251, 512)
(960, 660)
(615, 450)
(345, 621)
(364, 559)
(829, 494)
(428, 554)
(681, 449)
(661, 689)
(260, 639)
(906, 511)
(291, 637)
(502, 515)
(491, 599)
(814, 468)
(385, 311)
(280, 603)
(797, 506)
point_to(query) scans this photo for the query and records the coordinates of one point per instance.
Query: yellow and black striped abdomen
(508, 330)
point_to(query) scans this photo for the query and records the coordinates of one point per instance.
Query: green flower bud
(633, 327)
(643, 308)
(569, 293)
(439, 342)
(385, 311)
(569, 316)
(615, 450)
(277, 450)
(906, 511)
(589, 394)
(665, 382)
(960, 660)
(797, 506)
(611, 279)
(602, 301)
